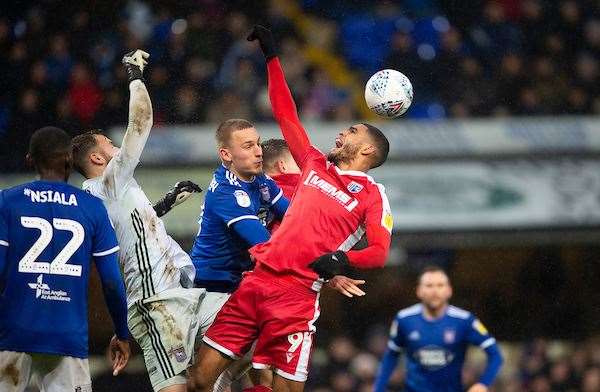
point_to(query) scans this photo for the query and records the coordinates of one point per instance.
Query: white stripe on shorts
(219, 348)
(301, 373)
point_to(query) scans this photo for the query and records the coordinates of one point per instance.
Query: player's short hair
(431, 268)
(50, 149)
(272, 150)
(382, 145)
(227, 127)
(81, 146)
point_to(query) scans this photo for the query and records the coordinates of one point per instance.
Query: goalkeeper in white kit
(158, 273)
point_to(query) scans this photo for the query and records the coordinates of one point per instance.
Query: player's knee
(197, 383)
(262, 377)
(199, 380)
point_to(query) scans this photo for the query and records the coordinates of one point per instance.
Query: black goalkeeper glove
(135, 62)
(331, 264)
(265, 39)
(177, 195)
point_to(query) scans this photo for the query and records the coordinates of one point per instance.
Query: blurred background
(494, 172)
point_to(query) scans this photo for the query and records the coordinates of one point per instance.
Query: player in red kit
(333, 206)
(279, 164)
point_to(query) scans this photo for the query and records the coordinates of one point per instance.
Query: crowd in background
(539, 366)
(347, 365)
(60, 63)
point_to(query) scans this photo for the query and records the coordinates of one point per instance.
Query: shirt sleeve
(105, 239)
(231, 204)
(378, 229)
(114, 292)
(279, 203)
(386, 369)
(104, 250)
(285, 113)
(3, 222)
(120, 169)
(478, 335)
(396, 340)
(252, 231)
(3, 235)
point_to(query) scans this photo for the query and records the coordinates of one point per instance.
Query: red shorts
(278, 314)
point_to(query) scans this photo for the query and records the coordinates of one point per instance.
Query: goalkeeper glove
(265, 39)
(135, 62)
(177, 195)
(330, 264)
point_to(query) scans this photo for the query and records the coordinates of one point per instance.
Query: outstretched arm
(284, 111)
(282, 103)
(140, 120)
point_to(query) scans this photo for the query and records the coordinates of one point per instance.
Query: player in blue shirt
(434, 336)
(49, 231)
(233, 219)
(238, 196)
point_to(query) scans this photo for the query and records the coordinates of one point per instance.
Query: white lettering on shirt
(330, 190)
(50, 196)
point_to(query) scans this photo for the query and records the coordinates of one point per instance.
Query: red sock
(258, 388)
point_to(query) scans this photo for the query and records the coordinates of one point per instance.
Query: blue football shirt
(50, 231)
(435, 349)
(219, 254)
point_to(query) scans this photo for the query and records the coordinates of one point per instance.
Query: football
(388, 93)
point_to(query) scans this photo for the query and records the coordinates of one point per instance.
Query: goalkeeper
(162, 309)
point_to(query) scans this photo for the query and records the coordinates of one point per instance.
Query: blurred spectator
(59, 61)
(84, 94)
(549, 85)
(510, 77)
(486, 58)
(186, 106)
(114, 109)
(65, 119)
(495, 36)
(472, 90)
(230, 105)
(322, 98)
(591, 380)
(27, 117)
(533, 24)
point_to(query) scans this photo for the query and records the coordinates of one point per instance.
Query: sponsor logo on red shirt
(325, 187)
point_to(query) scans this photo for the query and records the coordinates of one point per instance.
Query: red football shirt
(287, 182)
(331, 208)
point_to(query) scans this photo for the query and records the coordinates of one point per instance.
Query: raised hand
(265, 39)
(135, 62)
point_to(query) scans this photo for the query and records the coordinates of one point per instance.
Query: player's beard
(346, 154)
